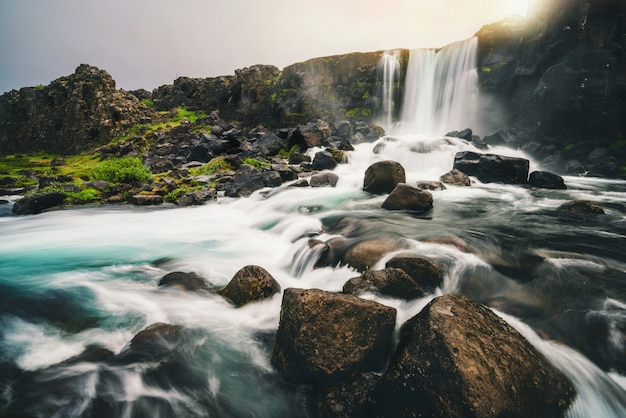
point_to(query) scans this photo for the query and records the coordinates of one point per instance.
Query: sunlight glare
(518, 7)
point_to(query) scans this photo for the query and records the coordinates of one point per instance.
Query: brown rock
(365, 254)
(405, 197)
(382, 177)
(392, 282)
(324, 337)
(251, 283)
(422, 270)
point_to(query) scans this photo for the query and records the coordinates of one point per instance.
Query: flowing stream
(78, 278)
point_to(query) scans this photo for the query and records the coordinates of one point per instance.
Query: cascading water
(389, 76)
(441, 90)
(74, 279)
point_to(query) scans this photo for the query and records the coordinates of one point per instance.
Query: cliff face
(69, 115)
(562, 82)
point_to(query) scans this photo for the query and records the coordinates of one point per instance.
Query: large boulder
(249, 284)
(493, 168)
(352, 397)
(422, 270)
(546, 180)
(383, 176)
(456, 358)
(392, 282)
(37, 203)
(406, 197)
(324, 337)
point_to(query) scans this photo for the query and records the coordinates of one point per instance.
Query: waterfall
(441, 90)
(389, 76)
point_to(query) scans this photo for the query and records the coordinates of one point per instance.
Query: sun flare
(518, 7)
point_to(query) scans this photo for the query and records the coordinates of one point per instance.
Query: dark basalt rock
(37, 203)
(145, 199)
(392, 282)
(456, 358)
(324, 160)
(406, 197)
(546, 180)
(324, 337)
(324, 180)
(250, 284)
(492, 168)
(382, 177)
(352, 397)
(422, 270)
(152, 343)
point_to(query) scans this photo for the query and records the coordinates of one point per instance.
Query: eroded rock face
(457, 358)
(382, 177)
(249, 284)
(69, 115)
(324, 337)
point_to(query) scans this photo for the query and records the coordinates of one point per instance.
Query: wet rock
(422, 270)
(431, 185)
(464, 134)
(326, 179)
(383, 176)
(245, 183)
(392, 282)
(365, 254)
(37, 203)
(145, 199)
(546, 180)
(332, 251)
(454, 241)
(269, 144)
(324, 160)
(582, 207)
(190, 282)
(456, 358)
(406, 197)
(324, 337)
(250, 284)
(493, 168)
(456, 177)
(352, 397)
(152, 343)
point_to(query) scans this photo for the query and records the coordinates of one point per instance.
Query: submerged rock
(190, 282)
(382, 177)
(456, 358)
(250, 284)
(324, 337)
(365, 254)
(583, 207)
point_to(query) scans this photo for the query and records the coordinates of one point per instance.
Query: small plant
(121, 170)
(148, 103)
(217, 164)
(255, 163)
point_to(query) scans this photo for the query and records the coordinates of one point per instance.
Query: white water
(103, 259)
(389, 73)
(441, 90)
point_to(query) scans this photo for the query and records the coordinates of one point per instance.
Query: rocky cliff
(561, 80)
(69, 115)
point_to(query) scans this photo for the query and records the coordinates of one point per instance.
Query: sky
(149, 43)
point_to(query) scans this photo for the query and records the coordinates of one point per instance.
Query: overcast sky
(148, 43)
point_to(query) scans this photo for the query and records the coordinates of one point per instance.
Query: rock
(324, 160)
(326, 179)
(464, 134)
(57, 162)
(352, 397)
(454, 241)
(250, 284)
(365, 254)
(269, 144)
(583, 207)
(492, 168)
(332, 251)
(324, 337)
(456, 358)
(245, 183)
(190, 282)
(456, 178)
(393, 282)
(152, 343)
(100, 185)
(383, 176)
(405, 197)
(145, 199)
(431, 185)
(422, 270)
(546, 180)
(37, 203)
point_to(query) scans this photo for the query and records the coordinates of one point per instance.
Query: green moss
(286, 154)
(121, 170)
(148, 103)
(366, 95)
(619, 144)
(485, 70)
(568, 147)
(216, 165)
(255, 163)
(364, 112)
